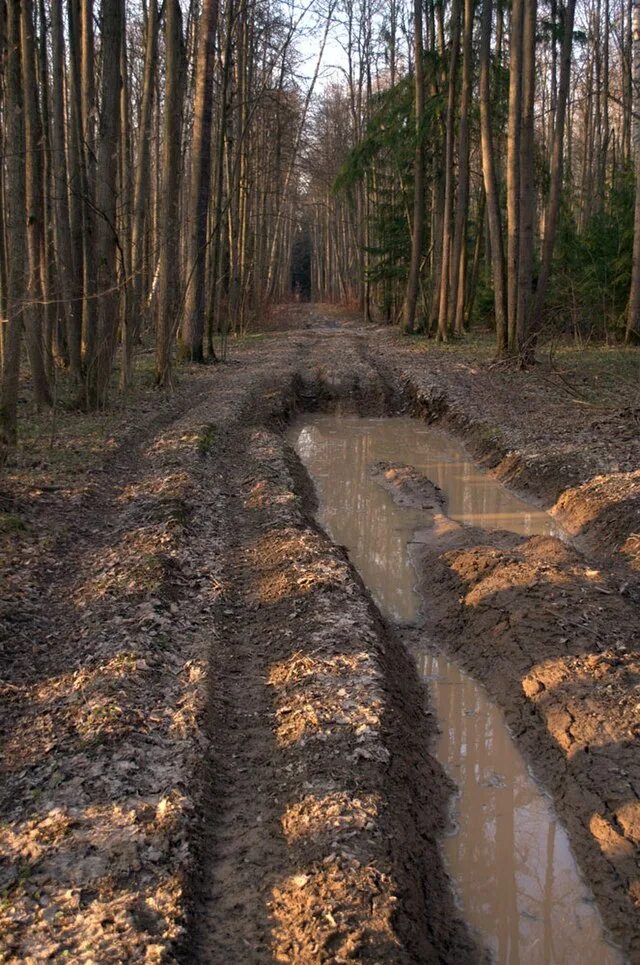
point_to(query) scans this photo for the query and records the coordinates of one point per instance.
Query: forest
(166, 167)
(320, 481)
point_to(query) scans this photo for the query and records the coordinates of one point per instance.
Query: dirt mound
(409, 487)
(605, 514)
(330, 806)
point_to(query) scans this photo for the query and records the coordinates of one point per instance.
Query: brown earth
(213, 749)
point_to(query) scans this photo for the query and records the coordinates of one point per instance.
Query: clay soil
(213, 747)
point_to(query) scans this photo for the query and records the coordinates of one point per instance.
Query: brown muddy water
(508, 856)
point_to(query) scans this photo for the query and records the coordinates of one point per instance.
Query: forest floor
(213, 748)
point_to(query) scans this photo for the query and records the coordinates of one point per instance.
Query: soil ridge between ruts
(119, 677)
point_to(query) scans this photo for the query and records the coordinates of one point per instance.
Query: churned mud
(213, 747)
(556, 645)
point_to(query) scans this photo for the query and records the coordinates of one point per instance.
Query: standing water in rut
(509, 857)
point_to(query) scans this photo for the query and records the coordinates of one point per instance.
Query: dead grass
(592, 373)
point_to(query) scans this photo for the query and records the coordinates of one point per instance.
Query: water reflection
(513, 865)
(510, 859)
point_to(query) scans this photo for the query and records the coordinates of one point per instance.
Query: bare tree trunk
(527, 186)
(491, 181)
(89, 229)
(60, 179)
(633, 318)
(80, 217)
(169, 234)
(443, 317)
(555, 188)
(214, 307)
(194, 314)
(141, 195)
(458, 263)
(513, 167)
(16, 203)
(417, 232)
(100, 364)
(3, 240)
(33, 145)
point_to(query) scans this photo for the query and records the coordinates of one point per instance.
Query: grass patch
(601, 374)
(489, 435)
(11, 523)
(207, 439)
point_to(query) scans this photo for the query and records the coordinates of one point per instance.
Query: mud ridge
(556, 646)
(329, 807)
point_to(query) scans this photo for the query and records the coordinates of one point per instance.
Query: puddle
(509, 858)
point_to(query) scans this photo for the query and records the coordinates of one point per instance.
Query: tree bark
(458, 263)
(100, 362)
(33, 316)
(60, 181)
(513, 167)
(134, 313)
(417, 226)
(555, 187)
(633, 318)
(443, 316)
(527, 185)
(169, 233)
(491, 181)
(200, 186)
(16, 203)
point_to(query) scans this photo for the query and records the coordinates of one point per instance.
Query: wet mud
(510, 857)
(233, 809)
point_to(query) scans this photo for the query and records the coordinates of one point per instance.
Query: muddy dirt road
(215, 748)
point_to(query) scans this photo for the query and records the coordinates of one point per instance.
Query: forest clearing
(320, 481)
